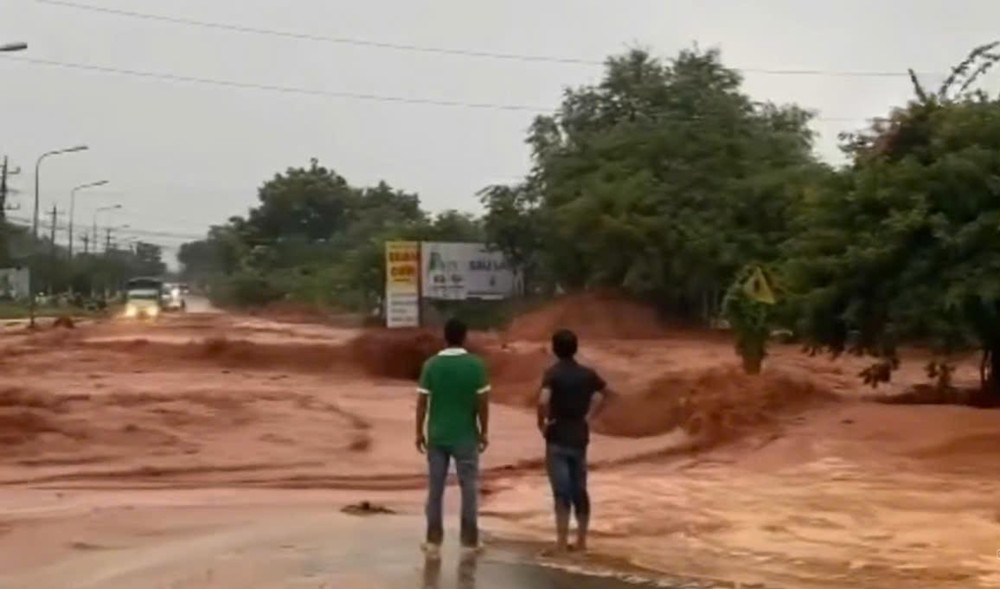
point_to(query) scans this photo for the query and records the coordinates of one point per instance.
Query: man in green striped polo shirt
(453, 422)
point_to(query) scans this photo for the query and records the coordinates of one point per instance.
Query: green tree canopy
(316, 238)
(664, 179)
(903, 246)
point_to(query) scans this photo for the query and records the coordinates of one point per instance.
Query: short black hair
(454, 332)
(564, 344)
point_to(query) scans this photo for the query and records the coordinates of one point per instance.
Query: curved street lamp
(72, 208)
(34, 219)
(38, 165)
(10, 47)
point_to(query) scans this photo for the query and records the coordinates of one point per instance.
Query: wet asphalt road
(298, 551)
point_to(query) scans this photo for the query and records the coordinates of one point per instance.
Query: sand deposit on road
(791, 478)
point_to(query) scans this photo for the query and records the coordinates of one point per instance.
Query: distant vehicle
(173, 297)
(143, 298)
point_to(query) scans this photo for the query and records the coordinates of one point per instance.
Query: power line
(163, 77)
(273, 88)
(318, 38)
(172, 247)
(134, 234)
(427, 49)
(122, 230)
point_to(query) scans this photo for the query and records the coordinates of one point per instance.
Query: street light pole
(38, 165)
(72, 208)
(34, 220)
(10, 47)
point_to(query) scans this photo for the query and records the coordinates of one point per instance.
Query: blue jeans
(567, 468)
(467, 466)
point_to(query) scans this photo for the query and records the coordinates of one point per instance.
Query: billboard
(15, 283)
(402, 284)
(459, 271)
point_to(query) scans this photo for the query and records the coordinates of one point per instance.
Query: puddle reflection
(465, 576)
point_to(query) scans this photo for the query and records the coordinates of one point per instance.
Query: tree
(664, 179)
(314, 238)
(148, 259)
(220, 253)
(385, 203)
(199, 259)
(452, 225)
(310, 203)
(903, 245)
(513, 225)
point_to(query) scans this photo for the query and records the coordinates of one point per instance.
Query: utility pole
(52, 250)
(86, 244)
(3, 212)
(3, 190)
(107, 241)
(6, 171)
(52, 234)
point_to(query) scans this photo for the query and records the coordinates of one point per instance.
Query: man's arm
(483, 407)
(423, 397)
(421, 441)
(597, 403)
(599, 398)
(483, 413)
(543, 409)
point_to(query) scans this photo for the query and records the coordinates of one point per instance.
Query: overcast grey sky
(181, 156)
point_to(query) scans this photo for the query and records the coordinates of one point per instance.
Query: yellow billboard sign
(402, 284)
(402, 266)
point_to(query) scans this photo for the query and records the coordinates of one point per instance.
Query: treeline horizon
(666, 180)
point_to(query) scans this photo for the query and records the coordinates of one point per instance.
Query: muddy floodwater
(215, 450)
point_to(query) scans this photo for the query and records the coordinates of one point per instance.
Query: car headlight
(131, 311)
(154, 311)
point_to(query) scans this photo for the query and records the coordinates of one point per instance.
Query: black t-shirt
(571, 388)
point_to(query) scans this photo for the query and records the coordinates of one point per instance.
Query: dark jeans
(467, 466)
(567, 468)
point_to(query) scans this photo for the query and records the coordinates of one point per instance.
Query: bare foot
(554, 552)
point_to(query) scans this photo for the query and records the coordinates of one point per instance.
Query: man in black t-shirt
(571, 396)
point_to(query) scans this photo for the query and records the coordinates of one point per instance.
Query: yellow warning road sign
(757, 287)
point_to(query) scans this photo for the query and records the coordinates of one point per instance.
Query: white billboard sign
(459, 271)
(15, 283)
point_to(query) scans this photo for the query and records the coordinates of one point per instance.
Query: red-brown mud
(595, 315)
(791, 478)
